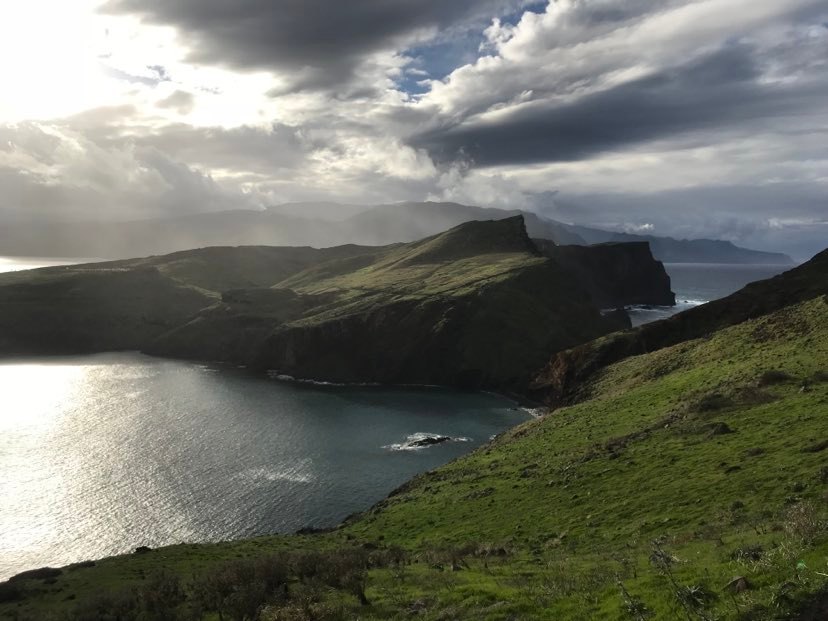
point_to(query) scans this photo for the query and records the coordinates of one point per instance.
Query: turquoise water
(101, 454)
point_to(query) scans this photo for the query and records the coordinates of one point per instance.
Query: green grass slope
(476, 306)
(423, 312)
(124, 305)
(53, 311)
(564, 375)
(691, 484)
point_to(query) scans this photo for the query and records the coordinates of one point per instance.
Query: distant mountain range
(325, 225)
(672, 250)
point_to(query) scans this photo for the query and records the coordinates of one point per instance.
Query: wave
(535, 412)
(292, 474)
(283, 377)
(645, 313)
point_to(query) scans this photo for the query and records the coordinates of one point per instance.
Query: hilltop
(688, 482)
(476, 306)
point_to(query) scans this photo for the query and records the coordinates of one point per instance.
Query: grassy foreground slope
(568, 371)
(692, 484)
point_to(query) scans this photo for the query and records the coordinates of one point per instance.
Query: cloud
(587, 77)
(54, 172)
(664, 113)
(255, 150)
(718, 90)
(180, 101)
(314, 44)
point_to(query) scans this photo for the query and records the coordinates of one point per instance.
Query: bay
(102, 454)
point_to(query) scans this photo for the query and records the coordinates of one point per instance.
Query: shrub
(9, 592)
(160, 596)
(121, 606)
(802, 521)
(773, 376)
(241, 589)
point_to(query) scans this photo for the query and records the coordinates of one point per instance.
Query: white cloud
(106, 114)
(52, 171)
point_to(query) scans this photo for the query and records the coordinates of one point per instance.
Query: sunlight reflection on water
(104, 453)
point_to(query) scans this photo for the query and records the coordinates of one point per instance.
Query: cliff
(615, 274)
(672, 250)
(422, 313)
(476, 306)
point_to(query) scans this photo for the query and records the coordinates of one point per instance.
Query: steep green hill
(475, 306)
(687, 483)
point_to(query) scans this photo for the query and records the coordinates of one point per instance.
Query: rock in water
(428, 441)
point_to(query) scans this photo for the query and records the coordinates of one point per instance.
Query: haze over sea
(101, 454)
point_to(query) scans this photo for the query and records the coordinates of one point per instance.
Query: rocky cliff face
(615, 274)
(494, 335)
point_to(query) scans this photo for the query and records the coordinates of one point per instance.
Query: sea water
(102, 454)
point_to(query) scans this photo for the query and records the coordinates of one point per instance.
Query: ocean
(102, 454)
(697, 283)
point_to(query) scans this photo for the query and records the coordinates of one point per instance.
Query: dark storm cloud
(722, 89)
(319, 43)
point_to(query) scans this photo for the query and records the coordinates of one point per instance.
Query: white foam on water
(293, 474)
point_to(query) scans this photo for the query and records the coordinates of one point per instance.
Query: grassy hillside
(422, 313)
(690, 484)
(566, 373)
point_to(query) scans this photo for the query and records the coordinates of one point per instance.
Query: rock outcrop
(615, 274)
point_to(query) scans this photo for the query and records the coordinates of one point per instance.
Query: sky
(688, 118)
